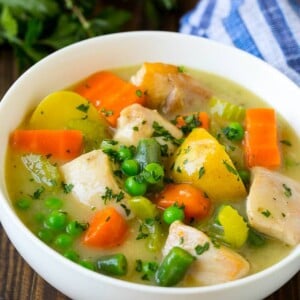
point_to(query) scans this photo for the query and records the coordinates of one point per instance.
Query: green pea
(234, 131)
(56, 220)
(153, 173)
(45, 235)
(63, 241)
(87, 264)
(74, 228)
(135, 186)
(72, 255)
(53, 203)
(173, 213)
(24, 203)
(130, 167)
(39, 217)
(142, 207)
(124, 153)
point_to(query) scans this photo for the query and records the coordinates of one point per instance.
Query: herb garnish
(109, 195)
(266, 213)
(286, 142)
(201, 172)
(107, 112)
(83, 107)
(161, 131)
(287, 190)
(67, 187)
(200, 249)
(230, 168)
(37, 193)
(139, 93)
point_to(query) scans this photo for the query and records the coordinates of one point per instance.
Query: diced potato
(57, 109)
(202, 161)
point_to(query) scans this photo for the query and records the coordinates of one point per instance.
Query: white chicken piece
(273, 205)
(93, 182)
(215, 265)
(136, 122)
(169, 89)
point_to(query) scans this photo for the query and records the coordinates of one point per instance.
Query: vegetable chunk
(59, 144)
(93, 182)
(212, 265)
(107, 229)
(137, 122)
(109, 94)
(261, 139)
(273, 205)
(168, 88)
(203, 162)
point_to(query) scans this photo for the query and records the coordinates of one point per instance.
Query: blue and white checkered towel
(269, 29)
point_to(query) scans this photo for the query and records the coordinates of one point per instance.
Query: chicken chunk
(93, 182)
(273, 205)
(214, 265)
(169, 89)
(137, 122)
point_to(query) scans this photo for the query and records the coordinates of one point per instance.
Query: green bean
(114, 265)
(173, 267)
(148, 151)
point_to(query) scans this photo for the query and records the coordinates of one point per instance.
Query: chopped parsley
(126, 209)
(67, 187)
(147, 269)
(83, 107)
(200, 249)
(287, 190)
(178, 169)
(164, 150)
(167, 136)
(189, 122)
(135, 128)
(139, 93)
(107, 112)
(109, 195)
(266, 213)
(180, 69)
(201, 172)
(286, 143)
(37, 193)
(230, 168)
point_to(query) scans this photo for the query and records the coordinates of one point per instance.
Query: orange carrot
(107, 229)
(60, 144)
(196, 204)
(188, 122)
(109, 94)
(261, 139)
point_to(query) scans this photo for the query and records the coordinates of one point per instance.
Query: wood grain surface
(17, 280)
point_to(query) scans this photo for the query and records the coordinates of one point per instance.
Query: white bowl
(77, 61)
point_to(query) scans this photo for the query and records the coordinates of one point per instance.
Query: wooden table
(17, 280)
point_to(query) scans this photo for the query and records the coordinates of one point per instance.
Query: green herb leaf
(200, 249)
(287, 190)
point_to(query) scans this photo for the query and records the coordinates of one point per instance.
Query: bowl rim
(4, 203)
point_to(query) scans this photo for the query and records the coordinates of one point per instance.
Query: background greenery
(35, 28)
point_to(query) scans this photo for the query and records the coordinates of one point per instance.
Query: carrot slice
(109, 94)
(60, 144)
(196, 204)
(107, 229)
(261, 138)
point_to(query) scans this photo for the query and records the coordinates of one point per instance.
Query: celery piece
(41, 169)
(234, 226)
(226, 110)
(94, 132)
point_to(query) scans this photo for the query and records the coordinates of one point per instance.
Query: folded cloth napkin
(269, 29)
